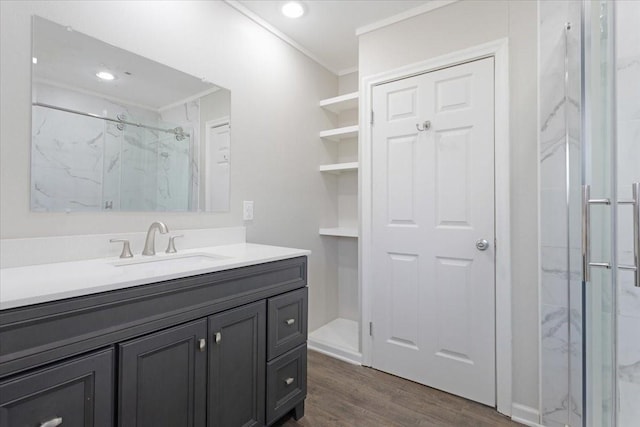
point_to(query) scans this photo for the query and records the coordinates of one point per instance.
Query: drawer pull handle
(54, 422)
(290, 321)
(202, 344)
(218, 337)
(288, 381)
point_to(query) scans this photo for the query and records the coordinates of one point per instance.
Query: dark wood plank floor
(340, 394)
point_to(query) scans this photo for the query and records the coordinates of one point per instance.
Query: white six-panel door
(433, 199)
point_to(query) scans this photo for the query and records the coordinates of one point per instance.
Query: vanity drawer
(286, 382)
(74, 393)
(287, 322)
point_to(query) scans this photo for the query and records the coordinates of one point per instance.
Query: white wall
(461, 25)
(275, 93)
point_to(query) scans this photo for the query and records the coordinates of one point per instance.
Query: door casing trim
(499, 50)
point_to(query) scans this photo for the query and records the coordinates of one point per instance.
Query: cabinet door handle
(218, 337)
(202, 344)
(290, 321)
(288, 381)
(53, 422)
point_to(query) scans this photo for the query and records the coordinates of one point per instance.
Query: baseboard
(337, 353)
(525, 415)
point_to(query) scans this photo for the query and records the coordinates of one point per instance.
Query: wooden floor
(340, 394)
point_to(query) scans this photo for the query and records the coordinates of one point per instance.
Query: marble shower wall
(561, 317)
(628, 171)
(81, 163)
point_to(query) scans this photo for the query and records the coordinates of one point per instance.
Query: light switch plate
(247, 210)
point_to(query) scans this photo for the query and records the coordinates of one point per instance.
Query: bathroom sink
(180, 260)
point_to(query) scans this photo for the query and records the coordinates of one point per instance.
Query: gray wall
(276, 119)
(461, 25)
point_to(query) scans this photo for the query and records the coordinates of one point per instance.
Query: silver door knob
(482, 244)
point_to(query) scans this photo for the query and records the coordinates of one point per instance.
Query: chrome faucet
(150, 241)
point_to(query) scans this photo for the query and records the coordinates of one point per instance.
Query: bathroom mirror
(113, 131)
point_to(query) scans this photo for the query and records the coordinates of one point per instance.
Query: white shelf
(339, 232)
(339, 339)
(340, 133)
(341, 103)
(339, 167)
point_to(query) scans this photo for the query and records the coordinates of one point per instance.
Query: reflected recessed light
(34, 60)
(104, 75)
(293, 9)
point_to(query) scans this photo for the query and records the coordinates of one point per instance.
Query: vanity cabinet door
(74, 393)
(237, 367)
(163, 378)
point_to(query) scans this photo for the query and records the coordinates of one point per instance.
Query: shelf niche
(339, 335)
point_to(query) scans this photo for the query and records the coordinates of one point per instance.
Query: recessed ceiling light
(293, 9)
(34, 60)
(105, 75)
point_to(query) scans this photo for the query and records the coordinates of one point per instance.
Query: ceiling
(327, 31)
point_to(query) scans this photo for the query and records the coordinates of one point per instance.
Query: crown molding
(427, 7)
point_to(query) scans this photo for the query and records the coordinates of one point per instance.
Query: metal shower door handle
(635, 202)
(586, 240)
(587, 201)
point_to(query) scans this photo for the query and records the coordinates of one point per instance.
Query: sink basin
(180, 260)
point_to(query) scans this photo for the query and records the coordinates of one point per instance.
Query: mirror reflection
(112, 130)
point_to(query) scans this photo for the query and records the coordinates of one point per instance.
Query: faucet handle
(126, 249)
(171, 247)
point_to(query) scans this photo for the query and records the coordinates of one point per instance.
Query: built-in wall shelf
(338, 333)
(341, 103)
(340, 133)
(338, 168)
(339, 232)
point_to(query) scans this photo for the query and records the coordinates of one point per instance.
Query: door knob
(482, 244)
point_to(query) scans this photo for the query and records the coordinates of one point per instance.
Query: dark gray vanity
(219, 349)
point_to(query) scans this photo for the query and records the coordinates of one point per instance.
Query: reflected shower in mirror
(112, 130)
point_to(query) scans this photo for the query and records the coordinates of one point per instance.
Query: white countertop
(20, 286)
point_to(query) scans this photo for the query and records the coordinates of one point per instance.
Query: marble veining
(84, 163)
(561, 316)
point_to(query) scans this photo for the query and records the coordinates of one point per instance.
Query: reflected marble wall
(561, 316)
(82, 163)
(66, 161)
(628, 171)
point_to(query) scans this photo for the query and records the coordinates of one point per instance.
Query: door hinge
(370, 329)
(371, 116)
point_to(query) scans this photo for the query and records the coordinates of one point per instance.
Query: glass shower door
(599, 211)
(627, 172)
